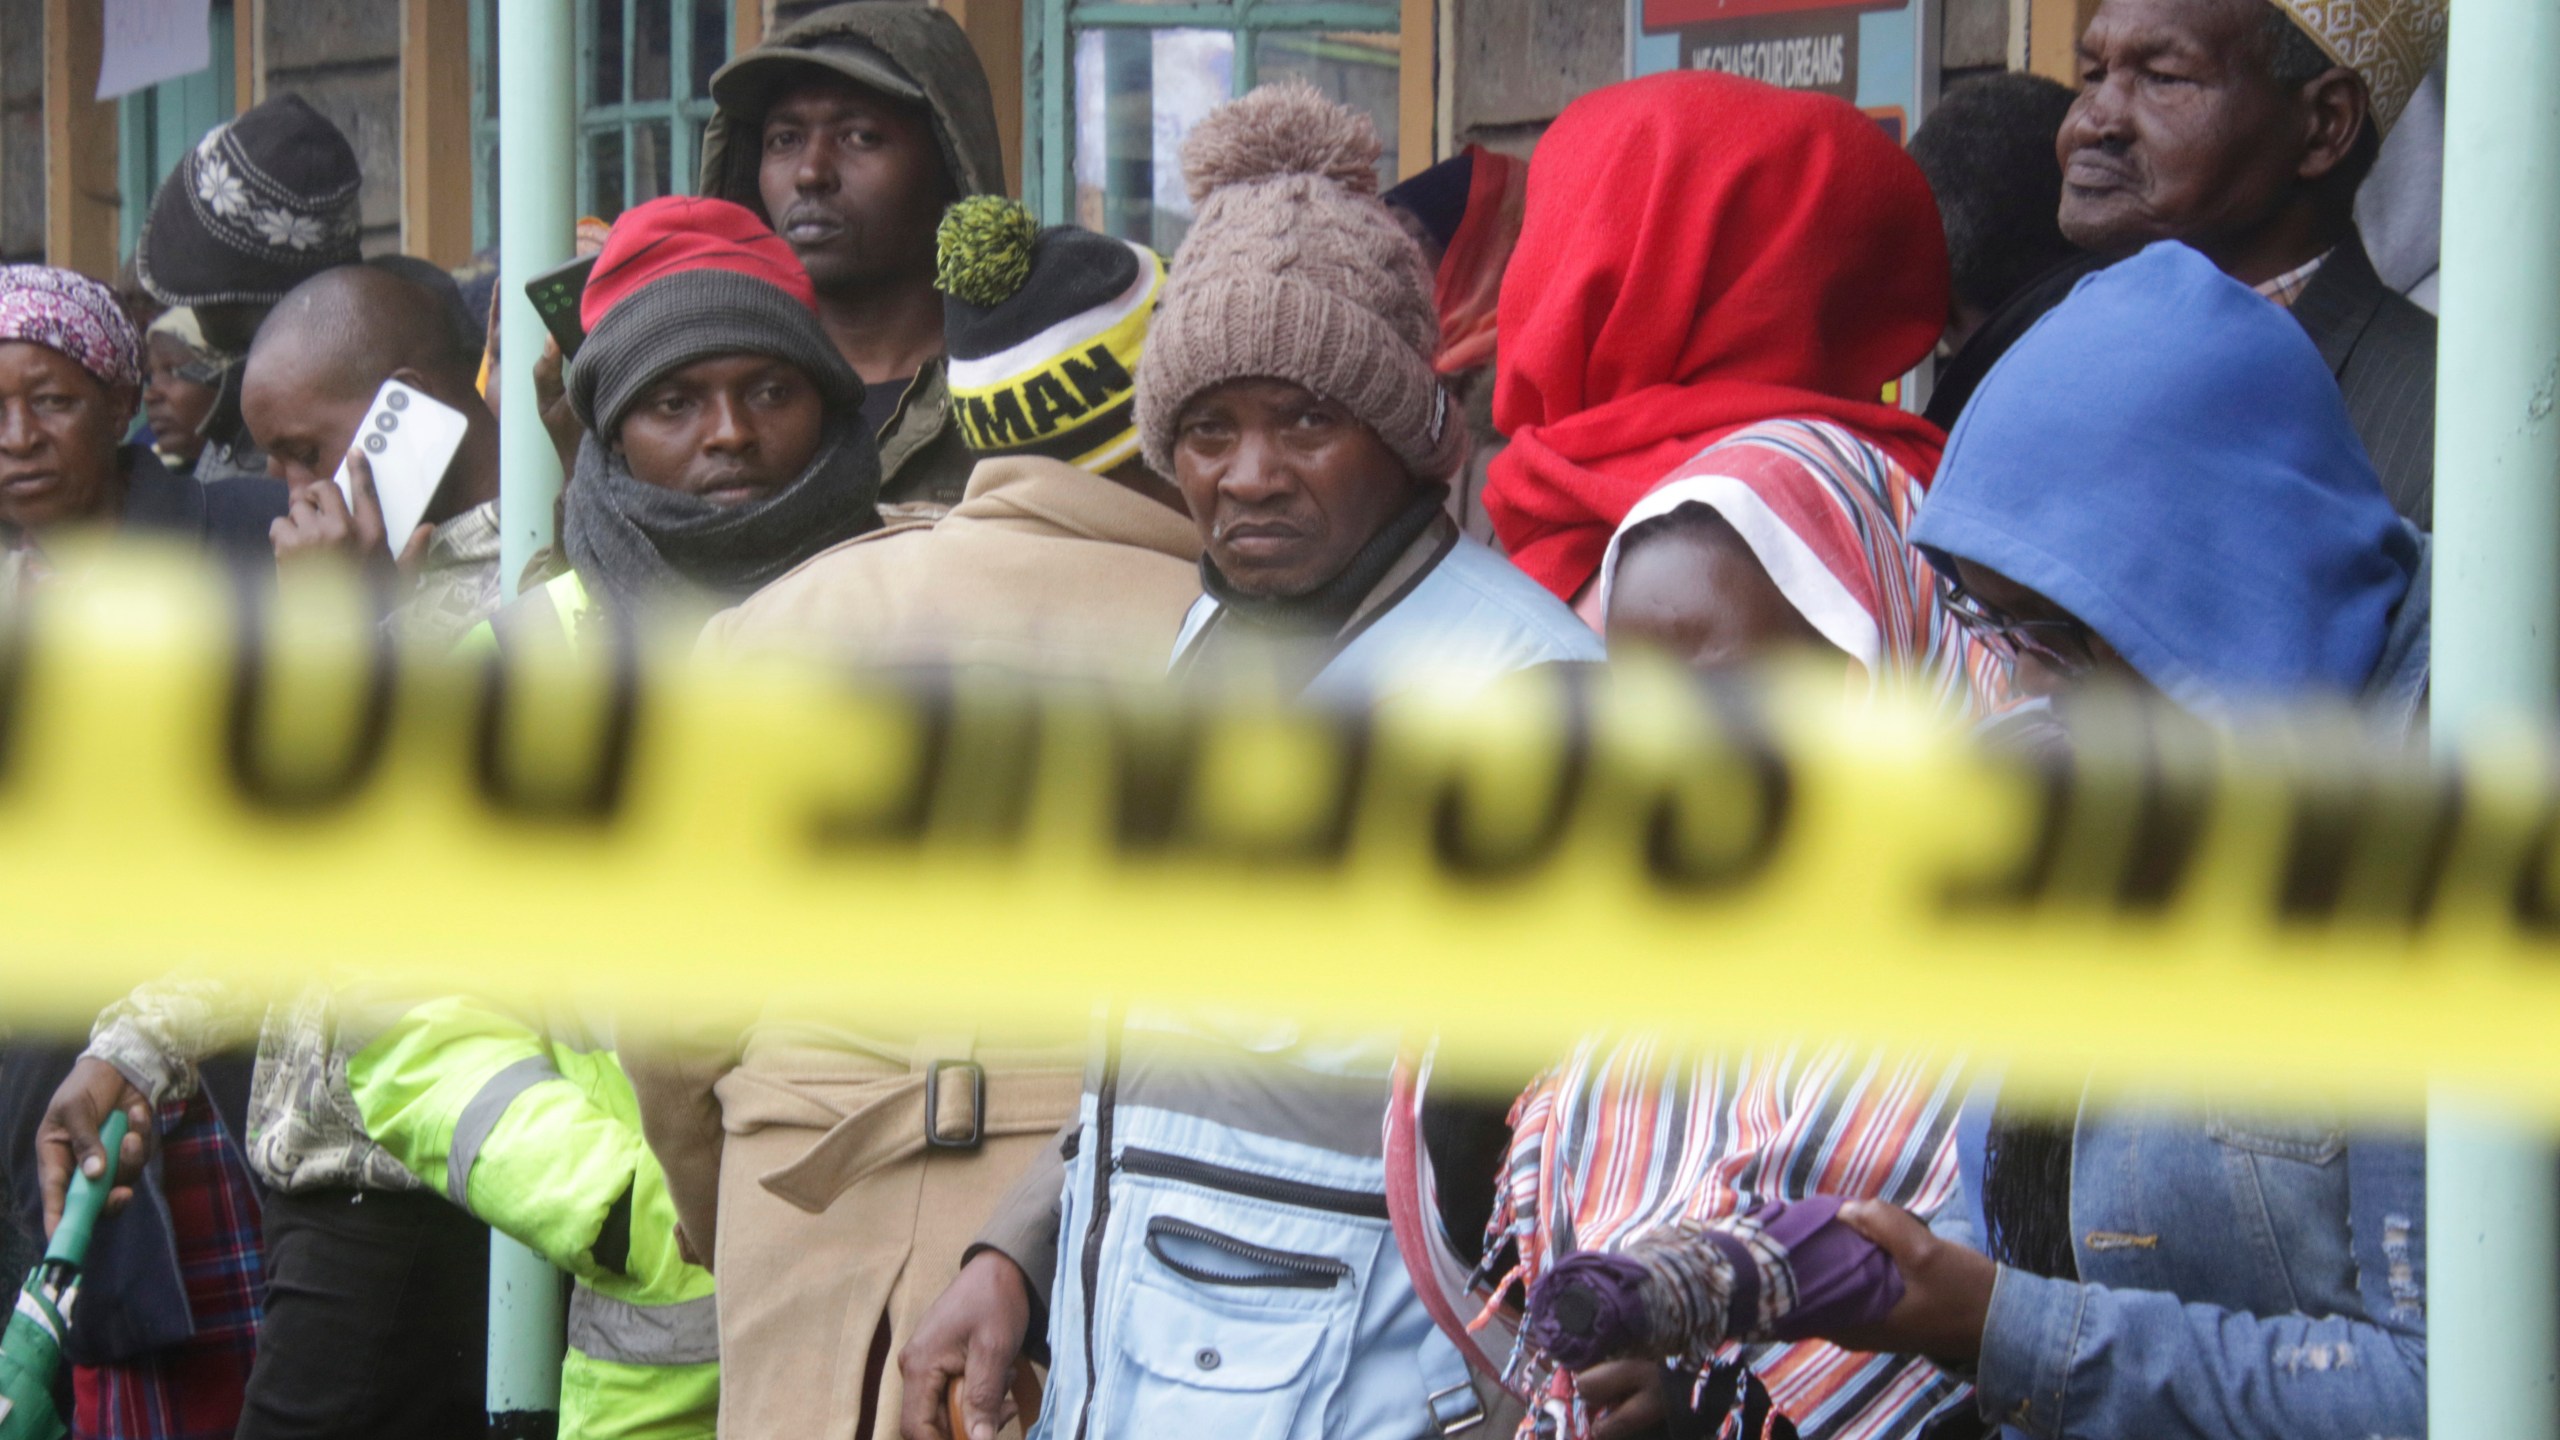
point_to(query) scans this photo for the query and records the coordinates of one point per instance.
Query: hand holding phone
(407, 442)
(556, 294)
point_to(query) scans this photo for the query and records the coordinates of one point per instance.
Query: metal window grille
(644, 95)
(1113, 86)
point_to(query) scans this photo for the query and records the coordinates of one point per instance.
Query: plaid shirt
(2288, 287)
(457, 585)
(191, 1391)
(304, 1130)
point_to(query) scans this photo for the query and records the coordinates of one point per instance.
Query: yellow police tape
(258, 788)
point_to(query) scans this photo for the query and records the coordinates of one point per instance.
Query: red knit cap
(684, 232)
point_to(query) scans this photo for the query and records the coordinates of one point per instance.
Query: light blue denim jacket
(2242, 1277)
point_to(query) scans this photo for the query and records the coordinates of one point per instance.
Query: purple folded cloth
(1843, 1279)
(1779, 1271)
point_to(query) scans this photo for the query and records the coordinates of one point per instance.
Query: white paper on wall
(148, 41)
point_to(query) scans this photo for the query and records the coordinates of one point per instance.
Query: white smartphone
(409, 439)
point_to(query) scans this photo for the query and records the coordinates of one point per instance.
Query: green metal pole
(537, 229)
(2493, 1191)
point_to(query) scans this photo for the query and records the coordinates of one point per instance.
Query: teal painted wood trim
(1187, 17)
(484, 131)
(1058, 152)
(1231, 17)
(156, 125)
(1050, 28)
(134, 179)
(1323, 17)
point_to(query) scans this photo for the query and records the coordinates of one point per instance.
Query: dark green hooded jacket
(916, 53)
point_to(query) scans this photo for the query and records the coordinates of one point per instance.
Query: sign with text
(1817, 50)
(148, 41)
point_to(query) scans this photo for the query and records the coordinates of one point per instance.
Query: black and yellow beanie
(1043, 329)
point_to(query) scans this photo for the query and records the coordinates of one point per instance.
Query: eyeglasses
(2062, 646)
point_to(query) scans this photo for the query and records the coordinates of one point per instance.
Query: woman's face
(1692, 589)
(59, 429)
(175, 405)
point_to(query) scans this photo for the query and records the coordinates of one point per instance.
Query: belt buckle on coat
(934, 1136)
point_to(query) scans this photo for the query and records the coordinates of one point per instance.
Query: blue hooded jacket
(2166, 457)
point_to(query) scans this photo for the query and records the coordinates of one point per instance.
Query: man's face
(59, 429)
(303, 411)
(853, 180)
(1285, 485)
(733, 429)
(2179, 132)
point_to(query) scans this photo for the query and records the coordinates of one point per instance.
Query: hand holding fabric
(1784, 1270)
(1945, 1297)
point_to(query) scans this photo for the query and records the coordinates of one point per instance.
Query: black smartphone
(555, 294)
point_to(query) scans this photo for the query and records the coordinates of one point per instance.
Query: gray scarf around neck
(644, 547)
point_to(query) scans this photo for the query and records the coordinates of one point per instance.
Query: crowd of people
(1634, 394)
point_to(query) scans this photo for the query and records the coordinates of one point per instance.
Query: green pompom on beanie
(983, 250)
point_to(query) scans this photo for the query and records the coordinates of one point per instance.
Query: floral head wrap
(66, 311)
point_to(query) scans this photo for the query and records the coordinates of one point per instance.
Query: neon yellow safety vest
(561, 601)
(535, 1129)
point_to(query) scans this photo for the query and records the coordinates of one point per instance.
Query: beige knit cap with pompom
(1295, 271)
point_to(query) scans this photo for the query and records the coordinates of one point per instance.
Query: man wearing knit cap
(2252, 154)
(724, 441)
(1228, 1267)
(722, 447)
(259, 205)
(849, 131)
(1289, 390)
(1066, 557)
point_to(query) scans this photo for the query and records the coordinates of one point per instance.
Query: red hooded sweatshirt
(1701, 253)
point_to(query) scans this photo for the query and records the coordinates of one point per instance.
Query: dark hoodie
(922, 457)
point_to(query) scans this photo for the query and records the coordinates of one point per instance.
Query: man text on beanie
(1296, 271)
(1045, 330)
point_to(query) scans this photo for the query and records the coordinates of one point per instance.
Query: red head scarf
(1701, 253)
(1469, 284)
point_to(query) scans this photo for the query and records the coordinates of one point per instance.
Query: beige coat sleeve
(681, 1119)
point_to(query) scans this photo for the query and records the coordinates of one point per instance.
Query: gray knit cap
(1295, 271)
(692, 315)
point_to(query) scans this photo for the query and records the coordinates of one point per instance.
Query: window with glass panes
(1116, 86)
(644, 94)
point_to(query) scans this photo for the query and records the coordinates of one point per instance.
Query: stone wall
(343, 56)
(1518, 63)
(1973, 39)
(21, 130)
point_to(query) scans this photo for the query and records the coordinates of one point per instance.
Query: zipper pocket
(1294, 1271)
(1159, 1165)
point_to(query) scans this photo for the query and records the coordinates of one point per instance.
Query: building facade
(1093, 96)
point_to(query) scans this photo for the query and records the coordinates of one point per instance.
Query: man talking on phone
(318, 363)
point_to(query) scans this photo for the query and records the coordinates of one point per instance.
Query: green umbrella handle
(88, 1197)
